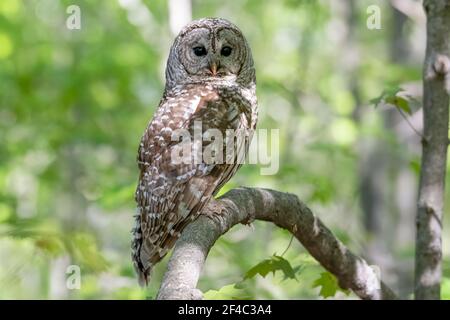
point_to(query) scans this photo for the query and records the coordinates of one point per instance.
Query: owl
(210, 87)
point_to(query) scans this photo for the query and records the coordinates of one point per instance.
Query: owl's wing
(170, 194)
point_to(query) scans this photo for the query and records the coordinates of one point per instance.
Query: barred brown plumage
(213, 90)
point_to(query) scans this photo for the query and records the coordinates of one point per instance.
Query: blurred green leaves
(49, 239)
(308, 267)
(86, 253)
(116, 196)
(328, 285)
(228, 292)
(74, 104)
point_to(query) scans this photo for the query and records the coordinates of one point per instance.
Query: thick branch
(286, 211)
(434, 152)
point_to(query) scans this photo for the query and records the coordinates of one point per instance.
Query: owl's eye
(199, 51)
(226, 51)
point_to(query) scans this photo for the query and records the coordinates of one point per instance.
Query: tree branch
(243, 205)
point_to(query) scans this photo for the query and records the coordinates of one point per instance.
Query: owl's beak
(213, 68)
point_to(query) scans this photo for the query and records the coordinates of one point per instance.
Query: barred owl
(210, 85)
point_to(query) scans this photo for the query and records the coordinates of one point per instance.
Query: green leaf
(403, 104)
(390, 96)
(376, 101)
(228, 292)
(50, 244)
(275, 263)
(414, 165)
(393, 91)
(240, 290)
(399, 102)
(329, 285)
(386, 94)
(240, 285)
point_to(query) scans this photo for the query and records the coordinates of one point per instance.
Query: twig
(289, 245)
(411, 125)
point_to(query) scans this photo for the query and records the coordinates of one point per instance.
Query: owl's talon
(214, 208)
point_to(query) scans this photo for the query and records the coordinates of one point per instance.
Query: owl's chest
(222, 109)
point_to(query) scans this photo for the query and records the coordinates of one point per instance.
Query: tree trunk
(436, 77)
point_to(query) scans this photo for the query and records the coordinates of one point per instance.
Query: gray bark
(436, 75)
(285, 210)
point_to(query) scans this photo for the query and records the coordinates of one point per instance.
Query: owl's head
(210, 49)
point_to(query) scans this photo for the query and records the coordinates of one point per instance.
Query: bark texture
(436, 75)
(243, 205)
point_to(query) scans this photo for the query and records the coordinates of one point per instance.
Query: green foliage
(390, 96)
(243, 289)
(73, 105)
(328, 285)
(86, 253)
(49, 239)
(273, 264)
(414, 165)
(228, 292)
(445, 289)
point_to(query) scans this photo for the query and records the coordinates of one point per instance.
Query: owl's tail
(143, 278)
(142, 272)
